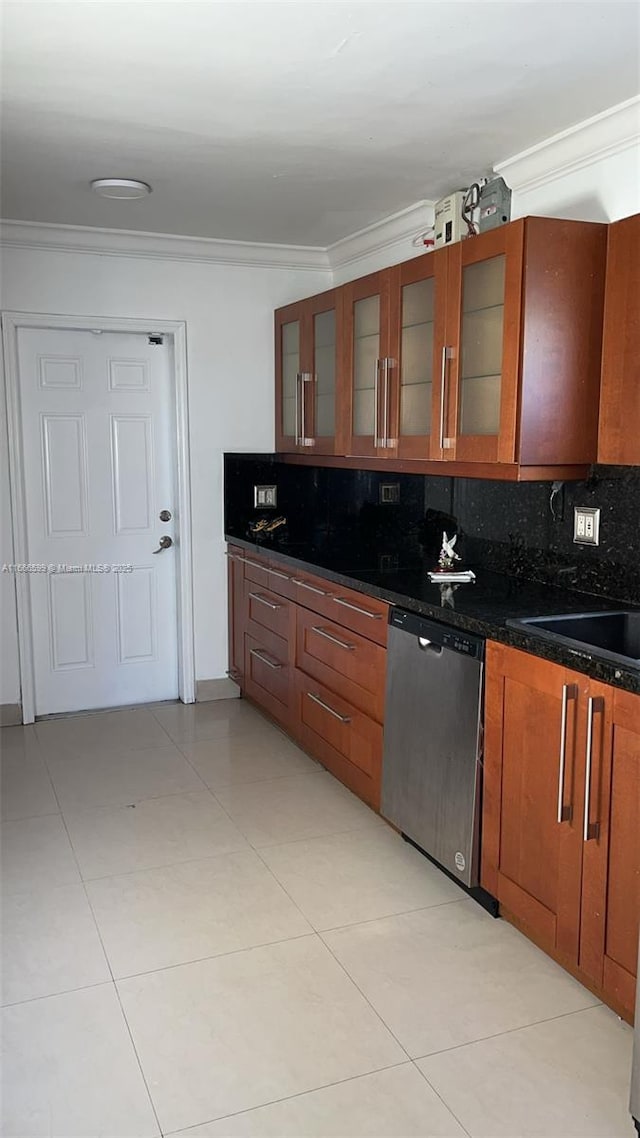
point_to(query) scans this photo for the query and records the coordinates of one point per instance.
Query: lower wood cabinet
(561, 816)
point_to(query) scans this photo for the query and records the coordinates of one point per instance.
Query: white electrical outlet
(265, 497)
(586, 525)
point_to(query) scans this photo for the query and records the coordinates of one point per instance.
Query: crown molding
(398, 227)
(602, 136)
(160, 246)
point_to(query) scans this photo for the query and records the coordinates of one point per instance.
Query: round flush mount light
(120, 188)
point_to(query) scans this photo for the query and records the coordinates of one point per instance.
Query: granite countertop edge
(589, 663)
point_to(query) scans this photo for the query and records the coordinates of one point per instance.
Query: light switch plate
(265, 497)
(389, 493)
(586, 525)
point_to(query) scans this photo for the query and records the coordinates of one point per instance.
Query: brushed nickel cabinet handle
(569, 691)
(247, 561)
(276, 573)
(304, 440)
(311, 588)
(591, 829)
(334, 639)
(264, 601)
(356, 608)
(326, 707)
(377, 441)
(275, 664)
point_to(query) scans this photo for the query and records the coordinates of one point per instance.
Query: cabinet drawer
(344, 740)
(346, 607)
(281, 580)
(267, 672)
(268, 609)
(343, 661)
(255, 569)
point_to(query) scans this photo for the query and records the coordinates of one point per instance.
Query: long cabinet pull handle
(298, 427)
(569, 691)
(264, 601)
(311, 588)
(385, 402)
(356, 608)
(377, 441)
(591, 829)
(326, 707)
(305, 440)
(276, 573)
(275, 664)
(247, 561)
(334, 639)
(443, 386)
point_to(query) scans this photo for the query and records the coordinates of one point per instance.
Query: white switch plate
(586, 525)
(265, 497)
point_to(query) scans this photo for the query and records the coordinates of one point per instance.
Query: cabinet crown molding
(602, 136)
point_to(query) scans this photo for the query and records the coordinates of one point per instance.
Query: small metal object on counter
(267, 525)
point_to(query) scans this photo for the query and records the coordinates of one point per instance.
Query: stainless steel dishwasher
(432, 764)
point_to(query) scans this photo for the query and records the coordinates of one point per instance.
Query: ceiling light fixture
(120, 188)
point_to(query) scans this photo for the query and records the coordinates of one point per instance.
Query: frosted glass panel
(325, 416)
(415, 409)
(366, 314)
(290, 358)
(289, 416)
(324, 329)
(480, 406)
(482, 342)
(363, 412)
(416, 362)
(417, 354)
(417, 302)
(365, 352)
(481, 347)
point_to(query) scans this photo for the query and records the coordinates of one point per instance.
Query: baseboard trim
(10, 714)
(223, 688)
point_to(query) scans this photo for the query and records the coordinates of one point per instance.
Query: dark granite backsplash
(510, 528)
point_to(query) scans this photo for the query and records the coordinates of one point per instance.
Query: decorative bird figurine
(448, 555)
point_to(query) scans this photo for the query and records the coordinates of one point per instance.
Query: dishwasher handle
(428, 646)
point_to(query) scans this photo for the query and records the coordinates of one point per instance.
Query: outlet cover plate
(265, 497)
(389, 493)
(586, 525)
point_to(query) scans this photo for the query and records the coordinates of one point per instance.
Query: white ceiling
(289, 122)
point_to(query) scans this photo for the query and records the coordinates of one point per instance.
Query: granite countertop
(483, 607)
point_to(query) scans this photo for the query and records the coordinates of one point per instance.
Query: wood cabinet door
(420, 340)
(619, 434)
(321, 331)
(368, 365)
(482, 346)
(611, 875)
(533, 795)
(237, 615)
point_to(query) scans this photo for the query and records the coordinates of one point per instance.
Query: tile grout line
(108, 964)
(288, 1098)
(443, 1101)
(390, 916)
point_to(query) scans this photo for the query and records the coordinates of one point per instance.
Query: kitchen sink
(613, 635)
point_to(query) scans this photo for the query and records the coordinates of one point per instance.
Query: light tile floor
(204, 934)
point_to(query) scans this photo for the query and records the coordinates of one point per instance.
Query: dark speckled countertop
(483, 607)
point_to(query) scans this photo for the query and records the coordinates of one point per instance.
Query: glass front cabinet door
(421, 308)
(481, 354)
(306, 335)
(369, 366)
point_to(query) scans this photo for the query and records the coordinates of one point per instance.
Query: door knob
(165, 515)
(165, 543)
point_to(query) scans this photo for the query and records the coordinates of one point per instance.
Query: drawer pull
(569, 691)
(311, 588)
(325, 707)
(253, 564)
(334, 639)
(590, 829)
(264, 601)
(282, 576)
(275, 664)
(356, 608)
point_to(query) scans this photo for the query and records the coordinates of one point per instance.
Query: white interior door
(98, 438)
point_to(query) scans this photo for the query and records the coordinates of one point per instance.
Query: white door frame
(11, 322)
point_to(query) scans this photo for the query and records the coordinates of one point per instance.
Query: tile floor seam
(442, 1100)
(215, 956)
(129, 805)
(30, 817)
(288, 1098)
(63, 992)
(390, 916)
(169, 864)
(509, 1031)
(122, 1011)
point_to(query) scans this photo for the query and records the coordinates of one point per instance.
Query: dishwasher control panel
(440, 635)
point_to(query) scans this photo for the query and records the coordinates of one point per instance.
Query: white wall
(229, 315)
(605, 190)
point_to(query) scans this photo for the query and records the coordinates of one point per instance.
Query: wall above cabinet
(482, 359)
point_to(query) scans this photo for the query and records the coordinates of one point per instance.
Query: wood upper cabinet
(307, 335)
(561, 815)
(619, 439)
(368, 367)
(418, 361)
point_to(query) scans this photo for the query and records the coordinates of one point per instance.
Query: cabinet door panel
(288, 368)
(619, 434)
(531, 861)
(236, 612)
(366, 318)
(420, 306)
